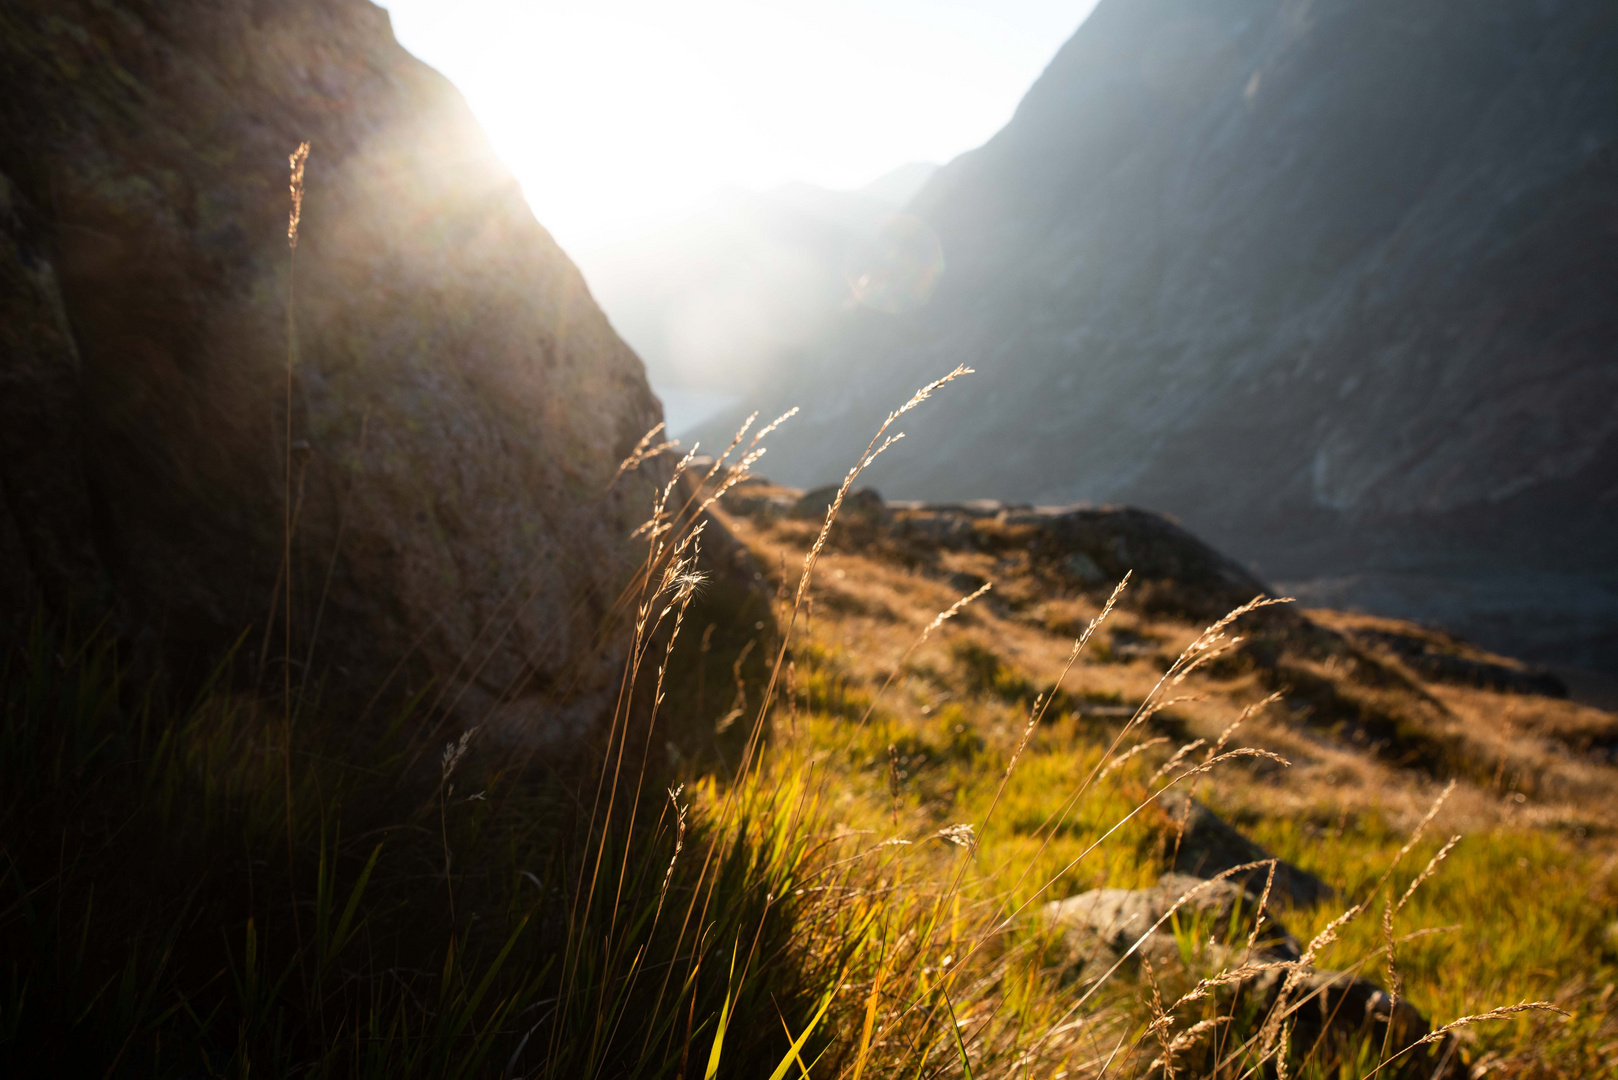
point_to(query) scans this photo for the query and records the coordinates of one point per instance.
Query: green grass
(1529, 907)
(235, 886)
(1529, 910)
(166, 910)
(156, 920)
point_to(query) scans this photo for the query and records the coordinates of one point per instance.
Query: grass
(152, 924)
(857, 895)
(1515, 912)
(841, 878)
(1510, 941)
(1529, 910)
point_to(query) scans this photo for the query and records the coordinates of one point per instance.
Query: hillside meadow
(829, 852)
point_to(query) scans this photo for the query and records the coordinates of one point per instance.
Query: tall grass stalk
(157, 861)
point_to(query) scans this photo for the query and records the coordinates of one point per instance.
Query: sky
(618, 116)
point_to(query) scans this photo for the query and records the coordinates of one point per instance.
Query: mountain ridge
(1325, 281)
(747, 273)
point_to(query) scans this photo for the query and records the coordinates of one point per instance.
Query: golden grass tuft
(852, 886)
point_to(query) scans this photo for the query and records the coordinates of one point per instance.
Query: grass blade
(724, 1019)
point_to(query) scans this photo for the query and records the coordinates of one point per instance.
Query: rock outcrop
(1330, 282)
(1374, 684)
(1106, 925)
(1089, 549)
(1204, 846)
(458, 402)
(1206, 925)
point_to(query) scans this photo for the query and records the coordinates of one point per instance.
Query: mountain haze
(1332, 281)
(748, 274)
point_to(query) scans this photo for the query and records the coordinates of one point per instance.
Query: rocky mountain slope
(1329, 281)
(458, 402)
(1395, 692)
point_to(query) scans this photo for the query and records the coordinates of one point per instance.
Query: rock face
(1204, 846)
(458, 406)
(1329, 281)
(1091, 548)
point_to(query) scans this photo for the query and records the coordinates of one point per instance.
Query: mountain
(748, 275)
(1331, 281)
(458, 402)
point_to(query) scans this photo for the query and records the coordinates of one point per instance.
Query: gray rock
(1104, 924)
(943, 530)
(861, 503)
(1331, 1012)
(1093, 547)
(1084, 568)
(1204, 845)
(459, 403)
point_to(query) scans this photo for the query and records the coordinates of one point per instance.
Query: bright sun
(616, 115)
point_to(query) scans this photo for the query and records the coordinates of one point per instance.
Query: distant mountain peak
(898, 186)
(1330, 282)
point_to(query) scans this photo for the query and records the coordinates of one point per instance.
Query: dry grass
(942, 720)
(856, 894)
(853, 890)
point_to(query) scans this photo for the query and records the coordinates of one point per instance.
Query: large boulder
(458, 402)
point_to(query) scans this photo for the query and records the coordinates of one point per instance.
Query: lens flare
(895, 269)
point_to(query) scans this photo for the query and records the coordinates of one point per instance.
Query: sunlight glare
(617, 115)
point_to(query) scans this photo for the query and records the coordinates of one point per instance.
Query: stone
(1204, 845)
(1334, 1012)
(758, 501)
(1331, 1012)
(1104, 924)
(458, 402)
(1084, 568)
(862, 502)
(1093, 547)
